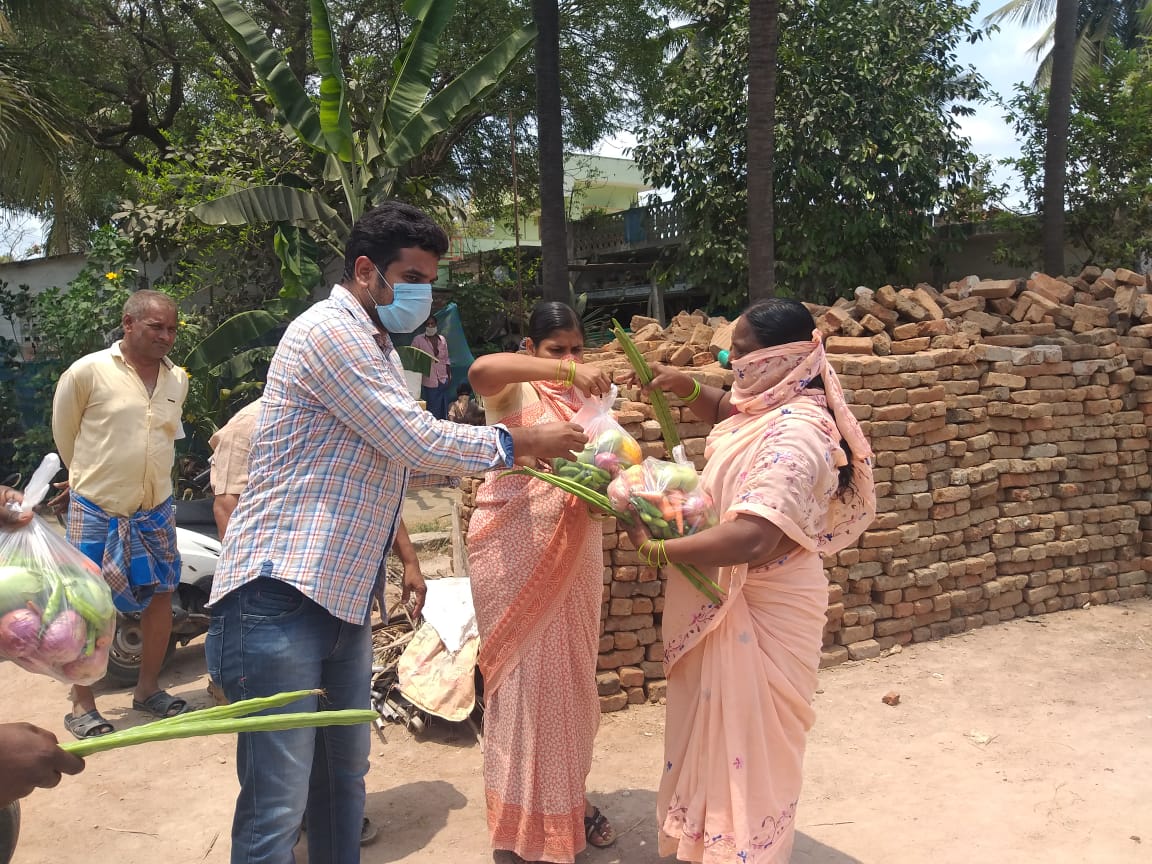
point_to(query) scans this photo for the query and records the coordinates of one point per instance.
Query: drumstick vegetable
(644, 373)
(225, 719)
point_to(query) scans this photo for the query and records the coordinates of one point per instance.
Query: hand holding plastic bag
(609, 449)
(56, 612)
(666, 497)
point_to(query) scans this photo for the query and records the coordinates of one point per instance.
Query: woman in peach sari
(535, 558)
(791, 475)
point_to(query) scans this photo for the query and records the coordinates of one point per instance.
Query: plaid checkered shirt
(332, 450)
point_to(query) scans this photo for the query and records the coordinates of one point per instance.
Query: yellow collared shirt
(117, 441)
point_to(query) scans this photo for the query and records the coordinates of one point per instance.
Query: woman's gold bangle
(695, 394)
(646, 551)
(654, 552)
(571, 373)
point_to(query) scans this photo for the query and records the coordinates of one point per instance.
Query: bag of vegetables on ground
(56, 612)
(665, 496)
(609, 449)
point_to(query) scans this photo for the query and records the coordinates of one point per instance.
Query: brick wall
(1012, 480)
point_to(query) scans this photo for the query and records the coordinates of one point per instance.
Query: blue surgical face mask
(411, 303)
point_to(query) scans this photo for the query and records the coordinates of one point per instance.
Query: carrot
(679, 512)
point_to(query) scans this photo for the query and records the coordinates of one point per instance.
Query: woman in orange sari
(534, 554)
(790, 473)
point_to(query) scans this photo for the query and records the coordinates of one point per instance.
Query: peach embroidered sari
(741, 676)
(537, 579)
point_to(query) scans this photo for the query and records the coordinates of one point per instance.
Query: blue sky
(1004, 59)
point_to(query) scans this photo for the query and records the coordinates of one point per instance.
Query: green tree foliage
(550, 134)
(136, 79)
(69, 322)
(368, 161)
(867, 140)
(1108, 191)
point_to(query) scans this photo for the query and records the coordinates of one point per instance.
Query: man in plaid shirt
(332, 451)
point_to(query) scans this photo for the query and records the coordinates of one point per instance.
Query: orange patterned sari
(537, 580)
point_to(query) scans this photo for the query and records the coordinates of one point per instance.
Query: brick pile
(1010, 424)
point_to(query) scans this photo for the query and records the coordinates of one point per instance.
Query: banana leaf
(458, 98)
(225, 341)
(415, 65)
(272, 69)
(258, 204)
(335, 122)
(415, 360)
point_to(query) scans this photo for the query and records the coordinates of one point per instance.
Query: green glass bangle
(694, 395)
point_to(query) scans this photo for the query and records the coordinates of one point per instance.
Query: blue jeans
(265, 638)
(437, 399)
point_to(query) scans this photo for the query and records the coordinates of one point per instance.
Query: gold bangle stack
(655, 555)
(695, 394)
(566, 379)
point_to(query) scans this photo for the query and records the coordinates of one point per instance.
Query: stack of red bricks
(1000, 312)
(1010, 424)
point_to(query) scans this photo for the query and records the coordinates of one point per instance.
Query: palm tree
(550, 140)
(1100, 24)
(763, 39)
(1056, 144)
(33, 131)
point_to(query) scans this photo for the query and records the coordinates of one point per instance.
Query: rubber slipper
(87, 725)
(161, 704)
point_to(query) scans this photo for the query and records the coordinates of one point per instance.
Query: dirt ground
(1026, 742)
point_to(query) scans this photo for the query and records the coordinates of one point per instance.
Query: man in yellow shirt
(116, 418)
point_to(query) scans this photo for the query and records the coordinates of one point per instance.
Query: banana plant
(368, 160)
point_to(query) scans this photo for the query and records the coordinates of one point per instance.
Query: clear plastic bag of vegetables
(609, 449)
(666, 496)
(56, 612)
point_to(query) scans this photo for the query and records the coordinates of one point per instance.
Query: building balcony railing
(629, 230)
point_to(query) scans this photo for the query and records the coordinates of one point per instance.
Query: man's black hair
(387, 228)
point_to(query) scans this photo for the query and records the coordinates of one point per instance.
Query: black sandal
(87, 725)
(598, 826)
(160, 704)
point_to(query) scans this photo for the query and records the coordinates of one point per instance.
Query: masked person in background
(466, 409)
(435, 386)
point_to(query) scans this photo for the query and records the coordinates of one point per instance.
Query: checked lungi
(137, 554)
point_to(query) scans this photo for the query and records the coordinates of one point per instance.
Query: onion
(86, 671)
(64, 639)
(610, 462)
(19, 634)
